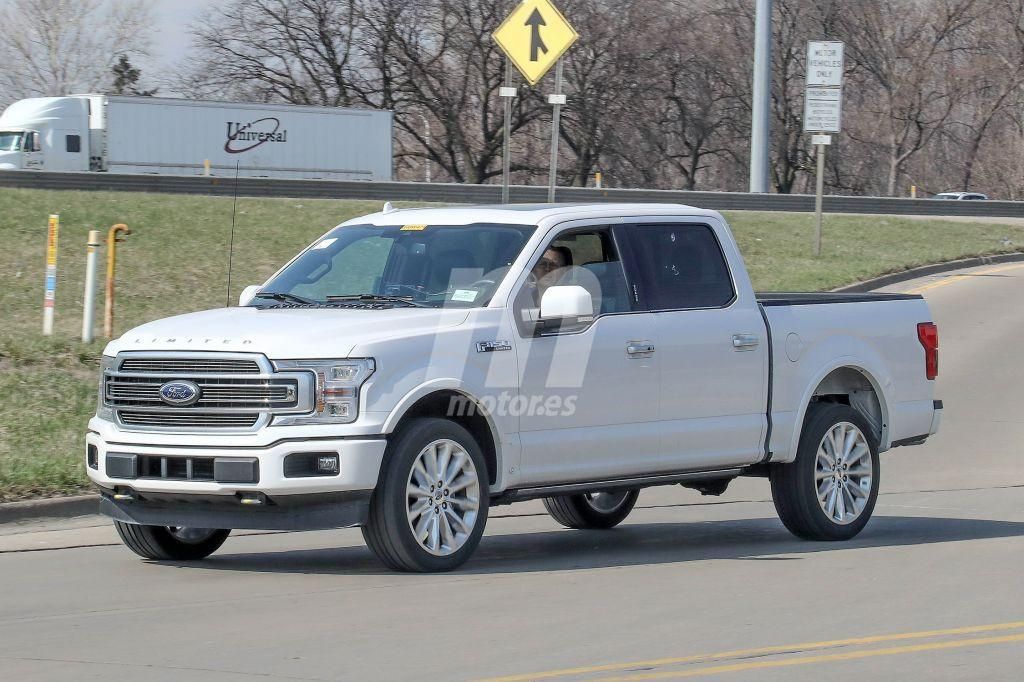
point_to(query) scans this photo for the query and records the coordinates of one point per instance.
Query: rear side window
(681, 266)
(73, 144)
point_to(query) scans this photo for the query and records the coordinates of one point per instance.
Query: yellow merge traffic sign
(534, 36)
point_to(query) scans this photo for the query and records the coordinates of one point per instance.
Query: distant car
(961, 196)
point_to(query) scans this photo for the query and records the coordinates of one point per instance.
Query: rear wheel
(592, 510)
(171, 543)
(829, 491)
(429, 510)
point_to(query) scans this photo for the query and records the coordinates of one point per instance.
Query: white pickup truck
(412, 368)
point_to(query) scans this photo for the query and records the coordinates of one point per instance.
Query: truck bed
(881, 342)
(785, 298)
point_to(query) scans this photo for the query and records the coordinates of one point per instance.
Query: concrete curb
(50, 508)
(924, 270)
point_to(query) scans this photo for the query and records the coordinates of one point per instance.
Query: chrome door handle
(639, 348)
(742, 342)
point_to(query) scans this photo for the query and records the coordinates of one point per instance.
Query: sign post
(507, 93)
(556, 100)
(50, 296)
(823, 111)
(534, 37)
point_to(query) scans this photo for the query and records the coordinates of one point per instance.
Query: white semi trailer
(187, 137)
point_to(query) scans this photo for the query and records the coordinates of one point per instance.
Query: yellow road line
(957, 278)
(760, 651)
(827, 658)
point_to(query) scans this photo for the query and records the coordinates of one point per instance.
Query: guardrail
(490, 194)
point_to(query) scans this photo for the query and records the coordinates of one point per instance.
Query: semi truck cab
(46, 133)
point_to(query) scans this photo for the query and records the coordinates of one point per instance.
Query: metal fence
(490, 194)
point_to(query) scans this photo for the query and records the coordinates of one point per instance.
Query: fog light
(92, 457)
(328, 464)
(306, 464)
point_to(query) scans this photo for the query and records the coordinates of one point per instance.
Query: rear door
(711, 343)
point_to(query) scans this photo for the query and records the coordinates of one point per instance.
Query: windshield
(10, 142)
(441, 266)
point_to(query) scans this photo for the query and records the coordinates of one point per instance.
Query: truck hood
(294, 334)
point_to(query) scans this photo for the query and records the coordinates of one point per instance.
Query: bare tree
(448, 69)
(658, 90)
(996, 77)
(910, 51)
(605, 74)
(296, 51)
(58, 47)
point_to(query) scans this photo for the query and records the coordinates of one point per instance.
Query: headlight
(107, 364)
(337, 389)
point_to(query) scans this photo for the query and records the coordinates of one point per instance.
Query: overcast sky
(172, 19)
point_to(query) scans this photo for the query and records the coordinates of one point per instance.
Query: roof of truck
(522, 214)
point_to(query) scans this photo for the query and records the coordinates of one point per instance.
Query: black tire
(388, 531)
(159, 543)
(580, 512)
(795, 488)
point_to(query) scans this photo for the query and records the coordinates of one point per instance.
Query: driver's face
(549, 262)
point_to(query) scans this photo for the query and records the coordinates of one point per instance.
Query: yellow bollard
(112, 240)
(913, 191)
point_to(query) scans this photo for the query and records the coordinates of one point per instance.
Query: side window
(73, 143)
(586, 258)
(682, 266)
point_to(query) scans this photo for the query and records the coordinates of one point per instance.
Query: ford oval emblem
(179, 393)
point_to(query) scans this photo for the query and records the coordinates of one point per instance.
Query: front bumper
(174, 497)
(285, 512)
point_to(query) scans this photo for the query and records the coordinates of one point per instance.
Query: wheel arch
(450, 400)
(850, 382)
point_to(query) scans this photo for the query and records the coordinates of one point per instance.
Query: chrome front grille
(127, 391)
(190, 366)
(203, 420)
(234, 391)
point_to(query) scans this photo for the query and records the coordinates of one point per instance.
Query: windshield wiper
(286, 297)
(376, 297)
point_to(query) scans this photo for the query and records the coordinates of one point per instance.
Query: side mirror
(248, 293)
(561, 302)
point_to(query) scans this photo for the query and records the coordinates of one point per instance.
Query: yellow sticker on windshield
(413, 228)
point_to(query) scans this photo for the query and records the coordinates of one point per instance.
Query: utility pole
(760, 126)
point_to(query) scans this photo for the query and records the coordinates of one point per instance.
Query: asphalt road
(687, 587)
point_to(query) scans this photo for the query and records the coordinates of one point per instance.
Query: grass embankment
(176, 261)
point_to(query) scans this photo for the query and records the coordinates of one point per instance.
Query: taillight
(928, 335)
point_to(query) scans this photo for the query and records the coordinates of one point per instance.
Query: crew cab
(413, 368)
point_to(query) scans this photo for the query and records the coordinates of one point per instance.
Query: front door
(588, 393)
(32, 151)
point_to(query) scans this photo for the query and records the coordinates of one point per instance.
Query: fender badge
(491, 346)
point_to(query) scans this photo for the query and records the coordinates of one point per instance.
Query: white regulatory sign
(824, 64)
(823, 110)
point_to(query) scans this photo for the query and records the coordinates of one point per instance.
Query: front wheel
(829, 491)
(171, 543)
(592, 510)
(430, 506)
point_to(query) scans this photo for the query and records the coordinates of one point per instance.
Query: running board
(521, 494)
